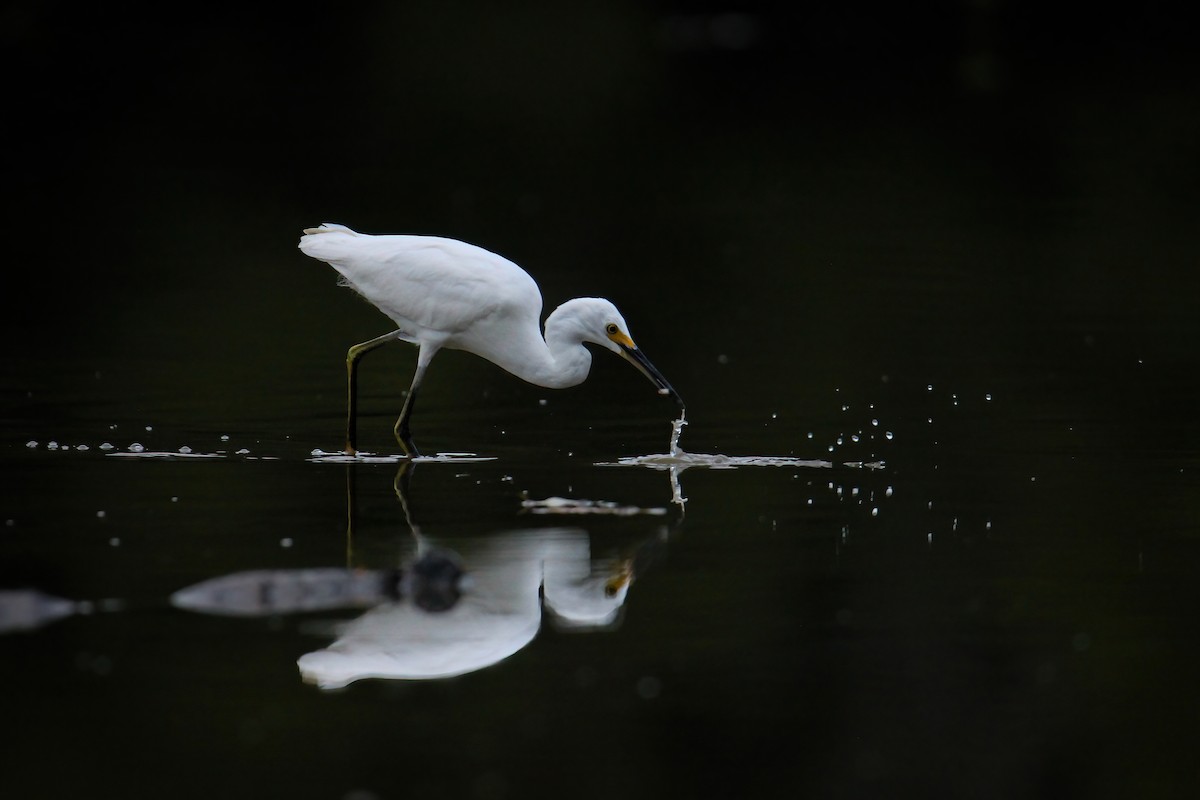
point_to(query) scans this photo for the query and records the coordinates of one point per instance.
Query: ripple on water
(683, 459)
(679, 459)
(338, 457)
(566, 505)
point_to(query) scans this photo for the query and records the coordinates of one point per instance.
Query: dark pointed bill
(635, 356)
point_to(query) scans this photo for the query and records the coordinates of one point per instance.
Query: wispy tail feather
(330, 227)
(322, 244)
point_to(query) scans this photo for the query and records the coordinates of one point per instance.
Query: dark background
(163, 161)
(972, 221)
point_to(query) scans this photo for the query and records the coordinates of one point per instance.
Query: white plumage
(443, 293)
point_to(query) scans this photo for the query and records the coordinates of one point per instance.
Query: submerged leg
(352, 356)
(403, 430)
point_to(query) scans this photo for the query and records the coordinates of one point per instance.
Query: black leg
(402, 430)
(352, 356)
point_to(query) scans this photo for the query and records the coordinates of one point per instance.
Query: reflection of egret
(446, 293)
(446, 612)
(498, 614)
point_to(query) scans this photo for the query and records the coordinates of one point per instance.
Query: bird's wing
(428, 285)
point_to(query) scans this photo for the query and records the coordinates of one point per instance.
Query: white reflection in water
(511, 577)
(446, 613)
(440, 617)
(28, 609)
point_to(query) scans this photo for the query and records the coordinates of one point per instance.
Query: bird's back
(430, 286)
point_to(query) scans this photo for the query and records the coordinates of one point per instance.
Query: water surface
(932, 525)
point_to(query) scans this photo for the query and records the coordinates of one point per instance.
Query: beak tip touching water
(639, 360)
(668, 391)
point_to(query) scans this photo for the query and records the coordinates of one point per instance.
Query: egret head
(597, 321)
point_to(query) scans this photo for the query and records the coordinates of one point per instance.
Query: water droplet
(52, 446)
(875, 423)
(114, 542)
(242, 452)
(136, 448)
(82, 447)
(929, 388)
(224, 437)
(31, 443)
(101, 515)
(286, 542)
(874, 512)
(854, 438)
(149, 428)
(988, 397)
(185, 449)
(106, 446)
(889, 435)
(888, 492)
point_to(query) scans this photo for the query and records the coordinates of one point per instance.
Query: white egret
(443, 293)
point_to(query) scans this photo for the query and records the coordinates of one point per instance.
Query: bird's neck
(567, 360)
(557, 361)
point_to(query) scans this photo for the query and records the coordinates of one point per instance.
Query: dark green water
(962, 245)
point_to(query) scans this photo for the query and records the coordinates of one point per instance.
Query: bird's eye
(611, 328)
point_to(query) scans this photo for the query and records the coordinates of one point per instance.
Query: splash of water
(677, 459)
(676, 430)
